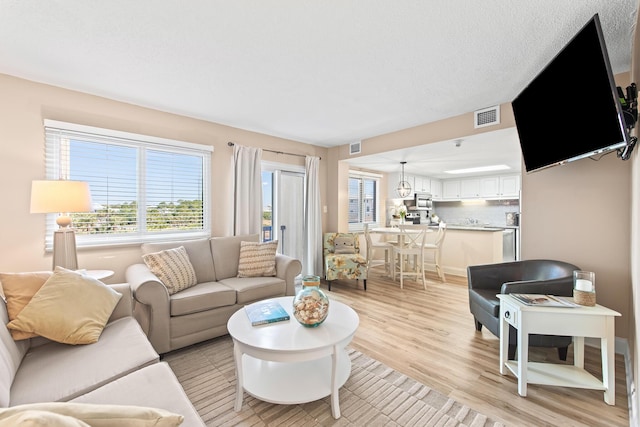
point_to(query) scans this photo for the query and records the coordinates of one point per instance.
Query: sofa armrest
(288, 268)
(562, 287)
(149, 291)
(124, 308)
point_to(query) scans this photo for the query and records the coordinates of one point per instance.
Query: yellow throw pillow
(69, 308)
(173, 268)
(36, 418)
(257, 259)
(101, 415)
(18, 289)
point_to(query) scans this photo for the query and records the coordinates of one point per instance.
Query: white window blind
(143, 188)
(364, 200)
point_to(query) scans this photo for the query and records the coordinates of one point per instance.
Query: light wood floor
(430, 336)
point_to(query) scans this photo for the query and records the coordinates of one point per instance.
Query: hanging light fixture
(404, 188)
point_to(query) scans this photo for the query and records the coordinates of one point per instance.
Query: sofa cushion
(59, 372)
(70, 308)
(199, 253)
(94, 415)
(173, 268)
(257, 259)
(226, 254)
(154, 386)
(201, 297)
(250, 289)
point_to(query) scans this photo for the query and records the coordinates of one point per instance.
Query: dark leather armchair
(538, 276)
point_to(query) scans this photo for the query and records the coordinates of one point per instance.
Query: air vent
(486, 117)
(354, 147)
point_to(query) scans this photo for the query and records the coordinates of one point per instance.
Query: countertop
(468, 227)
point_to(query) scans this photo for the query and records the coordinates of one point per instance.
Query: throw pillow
(69, 308)
(257, 259)
(344, 245)
(101, 415)
(37, 418)
(173, 268)
(18, 289)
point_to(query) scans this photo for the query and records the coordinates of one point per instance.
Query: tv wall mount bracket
(629, 104)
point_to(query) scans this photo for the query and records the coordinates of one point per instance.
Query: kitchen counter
(473, 227)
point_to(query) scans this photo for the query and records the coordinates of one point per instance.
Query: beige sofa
(201, 312)
(121, 368)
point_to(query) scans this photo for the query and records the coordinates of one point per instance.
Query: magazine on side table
(544, 300)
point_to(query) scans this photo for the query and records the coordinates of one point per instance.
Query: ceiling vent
(355, 147)
(486, 117)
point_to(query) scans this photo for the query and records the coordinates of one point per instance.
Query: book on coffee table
(263, 312)
(543, 300)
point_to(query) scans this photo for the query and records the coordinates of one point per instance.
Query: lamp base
(64, 249)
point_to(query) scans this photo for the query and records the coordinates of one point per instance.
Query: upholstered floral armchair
(342, 258)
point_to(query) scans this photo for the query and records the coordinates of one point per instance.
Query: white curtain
(312, 264)
(247, 190)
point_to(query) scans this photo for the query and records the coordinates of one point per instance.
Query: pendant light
(404, 188)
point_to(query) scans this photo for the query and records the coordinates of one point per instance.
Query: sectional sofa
(121, 368)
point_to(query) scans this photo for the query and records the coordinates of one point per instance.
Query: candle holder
(584, 287)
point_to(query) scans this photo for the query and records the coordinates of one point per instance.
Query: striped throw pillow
(257, 259)
(173, 268)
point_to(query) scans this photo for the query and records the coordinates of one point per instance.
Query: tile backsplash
(491, 212)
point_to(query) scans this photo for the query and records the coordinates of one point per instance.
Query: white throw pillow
(257, 259)
(173, 268)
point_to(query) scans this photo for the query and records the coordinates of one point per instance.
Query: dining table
(399, 237)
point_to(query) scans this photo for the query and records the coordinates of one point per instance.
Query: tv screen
(571, 109)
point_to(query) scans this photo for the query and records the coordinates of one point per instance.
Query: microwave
(423, 201)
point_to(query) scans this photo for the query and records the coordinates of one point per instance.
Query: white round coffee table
(287, 363)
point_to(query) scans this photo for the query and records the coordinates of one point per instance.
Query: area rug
(374, 395)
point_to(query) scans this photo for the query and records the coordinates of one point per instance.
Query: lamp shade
(60, 196)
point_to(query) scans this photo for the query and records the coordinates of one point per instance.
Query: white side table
(100, 274)
(578, 322)
(287, 363)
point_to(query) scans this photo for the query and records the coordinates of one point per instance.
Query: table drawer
(510, 314)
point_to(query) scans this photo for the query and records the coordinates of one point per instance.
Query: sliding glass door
(283, 207)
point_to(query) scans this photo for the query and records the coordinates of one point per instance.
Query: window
(364, 200)
(142, 187)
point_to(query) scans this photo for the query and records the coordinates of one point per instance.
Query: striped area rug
(374, 395)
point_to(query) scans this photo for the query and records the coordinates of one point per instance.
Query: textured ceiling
(323, 72)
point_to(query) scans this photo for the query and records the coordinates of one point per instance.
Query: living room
(560, 206)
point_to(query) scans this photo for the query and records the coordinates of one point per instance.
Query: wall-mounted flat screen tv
(571, 109)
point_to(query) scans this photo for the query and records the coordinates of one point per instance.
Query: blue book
(263, 312)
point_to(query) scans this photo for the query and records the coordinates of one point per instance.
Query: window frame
(355, 227)
(56, 166)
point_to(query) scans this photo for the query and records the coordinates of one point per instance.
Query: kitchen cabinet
(422, 184)
(500, 186)
(485, 187)
(451, 189)
(510, 185)
(436, 189)
(470, 188)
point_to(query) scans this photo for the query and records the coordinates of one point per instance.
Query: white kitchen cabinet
(470, 188)
(500, 186)
(510, 185)
(490, 186)
(422, 184)
(451, 189)
(436, 189)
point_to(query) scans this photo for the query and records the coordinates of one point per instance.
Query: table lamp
(63, 197)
